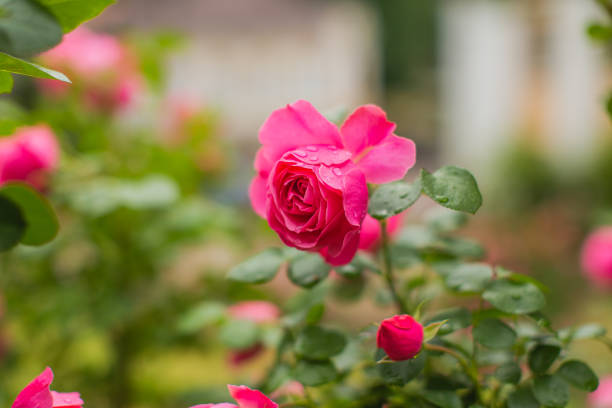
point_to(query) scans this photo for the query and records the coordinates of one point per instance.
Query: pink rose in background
(28, 155)
(257, 311)
(245, 397)
(311, 176)
(602, 396)
(105, 69)
(401, 337)
(597, 257)
(38, 395)
(371, 232)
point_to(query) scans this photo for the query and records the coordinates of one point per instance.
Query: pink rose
(257, 311)
(311, 176)
(401, 337)
(371, 232)
(597, 256)
(37, 395)
(602, 396)
(28, 155)
(245, 397)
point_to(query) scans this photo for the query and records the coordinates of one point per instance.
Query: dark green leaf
(71, 13)
(393, 198)
(399, 372)
(542, 356)
(308, 269)
(6, 82)
(469, 277)
(522, 397)
(314, 373)
(42, 223)
(551, 391)
(494, 334)
(318, 343)
(15, 65)
(315, 313)
(609, 105)
(579, 375)
(452, 187)
(456, 318)
(259, 269)
(509, 372)
(12, 224)
(516, 298)
(239, 334)
(443, 398)
(27, 28)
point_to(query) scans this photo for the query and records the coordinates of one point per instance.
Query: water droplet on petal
(312, 148)
(300, 153)
(314, 157)
(337, 171)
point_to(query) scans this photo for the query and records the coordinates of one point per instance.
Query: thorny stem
(388, 269)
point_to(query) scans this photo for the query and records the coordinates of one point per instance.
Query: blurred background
(152, 187)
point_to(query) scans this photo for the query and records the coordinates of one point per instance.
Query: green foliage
(515, 298)
(307, 270)
(469, 277)
(72, 13)
(6, 82)
(393, 198)
(551, 391)
(399, 372)
(259, 269)
(314, 373)
(452, 187)
(494, 334)
(509, 372)
(523, 397)
(579, 375)
(12, 224)
(239, 334)
(318, 343)
(542, 356)
(15, 65)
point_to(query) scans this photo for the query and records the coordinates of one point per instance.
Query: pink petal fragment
(66, 399)
(257, 193)
(355, 197)
(347, 251)
(298, 124)
(248, 398)
(366, 127)
(36, 394)
(388, 161)
(222, 405)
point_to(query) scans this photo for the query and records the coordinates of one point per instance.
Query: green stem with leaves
(387, 269)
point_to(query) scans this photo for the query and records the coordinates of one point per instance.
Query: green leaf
(551, 391)
(27, 28)
(509, 372)
(443, 220)
(11, 116)
(452, 187)
(318, 343)
(315, 314)
(494, 334)
(308, 269)
(393, 198)
(586, 331)
(399, 372)
(516, 298)
(42, 223)
(202, 315)
(15, 65)
(600, 32)
(579, 375)
(609, 105)
(258, 269)
(6, 82)
(12, 224)
(469, 277)
(542, 356)
(314, 373)
(239, 334)
(443, 398)
(522, 397)
(456, 318)
(71, 13)
(431, 330)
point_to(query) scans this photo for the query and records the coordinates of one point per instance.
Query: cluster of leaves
(513, 357)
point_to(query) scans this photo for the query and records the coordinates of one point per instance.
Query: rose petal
(248, 398)
(366, 127)
(66, 399)
(388, 161)
(298, 124)
(355, 196)
(346, 253)
(221, 405)
(257, 194)
(36, 394)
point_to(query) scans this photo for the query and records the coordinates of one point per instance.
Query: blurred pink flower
(602, 396)
(29, 155)
(289, 388)
(371, 232)
(38, 395)
(311, 176)
(257, 311)
(100, 63)
(245, 397)
(597, 256)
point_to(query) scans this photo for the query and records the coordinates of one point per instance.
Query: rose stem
(388, 269)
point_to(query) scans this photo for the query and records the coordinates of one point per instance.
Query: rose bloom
(105, 69)
(602, 396)
(257, 311)
(37, 395)
(29, 155)
(597, 257)
(371, 231)
(245, 397)
(311, 176)
(401, 337)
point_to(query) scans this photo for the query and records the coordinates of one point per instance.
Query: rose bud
(400, 336)
(597, 257)
(38, 395)
(371, 232)
(311, 176)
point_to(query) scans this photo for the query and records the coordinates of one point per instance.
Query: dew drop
(312, 148)
(337, 171)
